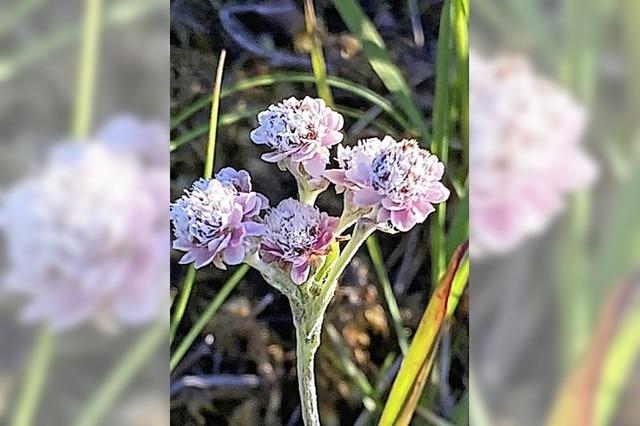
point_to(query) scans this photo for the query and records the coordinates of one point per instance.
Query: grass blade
(387, 290)
(213, 307)
(121, 376)
(416, 366)
(187, 285)
(379, 59)
(27, 403)
(274, 78)
(317, 57)
(441, 133)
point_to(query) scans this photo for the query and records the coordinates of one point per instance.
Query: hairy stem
(307, 343)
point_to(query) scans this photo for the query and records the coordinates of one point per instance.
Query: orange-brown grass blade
(416, 366)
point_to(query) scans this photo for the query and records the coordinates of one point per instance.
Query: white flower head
(295, 235)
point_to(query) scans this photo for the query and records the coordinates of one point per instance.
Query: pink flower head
(296, 236)
(301, 131)
(85, 238)
(525, 152)
(212, 221)
(400, 180)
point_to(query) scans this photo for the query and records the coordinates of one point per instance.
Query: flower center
(402, 171)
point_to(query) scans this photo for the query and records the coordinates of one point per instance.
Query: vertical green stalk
(187, 285)
(440, 143)
(213, 122)
(392, 304)
(317, 57)
(36, 372)
(121, 376)
(461, 39)
(83, 113)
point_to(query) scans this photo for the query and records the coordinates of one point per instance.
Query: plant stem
(35, 376)
(181, 305)
(121, 376)
(83, 112)
(185, 292)
(213, 122)
(306, 347)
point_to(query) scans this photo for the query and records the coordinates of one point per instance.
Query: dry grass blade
(416, 366)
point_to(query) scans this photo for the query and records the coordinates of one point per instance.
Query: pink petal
(234, 255)
(274, 157)
(336, 176)
(366, 197)
(315, 167)
(300, 274)
(403, 220)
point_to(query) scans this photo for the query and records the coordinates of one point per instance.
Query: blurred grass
(121, 376)
(116, 13)
(35, 375)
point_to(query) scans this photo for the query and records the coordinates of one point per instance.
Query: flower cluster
(525, 152)
(399, 180)
(86, 236)
(387, 184)
(297, 235)
(215, 217)
(301, 131)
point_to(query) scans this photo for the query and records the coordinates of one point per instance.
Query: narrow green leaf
(390, 75)
(274, 78)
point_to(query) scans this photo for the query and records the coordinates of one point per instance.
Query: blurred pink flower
(525, 152)
(296, 235)
(400, 180)
(213, 219)
(301, 131)
(86, 237)
(147, 140)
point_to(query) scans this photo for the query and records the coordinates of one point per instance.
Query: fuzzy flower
(296, 236)
(86, 238)
(213, 219)
(525, 152)
(400, 180)
(301, 131)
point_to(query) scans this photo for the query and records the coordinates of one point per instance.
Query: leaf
(586, 384)
(416, 366)
(379, 59)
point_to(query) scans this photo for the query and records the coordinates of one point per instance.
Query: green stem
(317, 57)
(208, 174)
(440, 144)
(307, 343)
(36, 372)
(121, 376)
(183, 299)
(392, 304)
(213, 122)
(83, 113)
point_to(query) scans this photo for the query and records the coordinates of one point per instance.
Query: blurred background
(241, 368)
(72, 350)
(554, 119)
